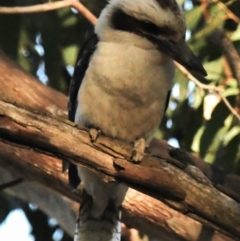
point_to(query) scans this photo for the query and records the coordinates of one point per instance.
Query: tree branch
(228, 12)
(50, 6)
(32, 149)
(217, 90)
(219, 38)
(147, 214)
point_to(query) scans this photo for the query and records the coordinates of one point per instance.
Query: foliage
(46, 45)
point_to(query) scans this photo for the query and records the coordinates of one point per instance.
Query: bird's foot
(94, 134)
(139, 150)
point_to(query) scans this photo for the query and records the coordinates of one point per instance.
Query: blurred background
(46, 45)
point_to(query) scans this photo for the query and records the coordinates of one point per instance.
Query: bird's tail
(107, 227)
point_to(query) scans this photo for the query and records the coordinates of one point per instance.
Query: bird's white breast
(124, 90)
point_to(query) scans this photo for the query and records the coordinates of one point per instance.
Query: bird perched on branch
(121, 85)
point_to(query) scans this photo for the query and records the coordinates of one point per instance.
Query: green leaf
(70, 54)
(231, 151)
(183, 84)
(232, 133)
(231, 87)
(231, 91)
(215, 129)
(66, 17)
(198, 98)
(193, 123)
(214, 69)
(236, 35)
(216, 135)
(181, 2)
(193, 16)
(196, 140)
(232, 82)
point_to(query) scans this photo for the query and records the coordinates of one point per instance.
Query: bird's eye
(149, 27)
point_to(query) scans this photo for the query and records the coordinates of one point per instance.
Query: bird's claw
(139, 150)
(94, 134)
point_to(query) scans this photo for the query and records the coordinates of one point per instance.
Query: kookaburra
(121, 84)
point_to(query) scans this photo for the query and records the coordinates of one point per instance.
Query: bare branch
(196, 81)
(139, 211)
(219, 38)
(228, 12)
(50, 6)
(202, 86)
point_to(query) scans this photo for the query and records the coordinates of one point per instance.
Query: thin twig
(229, 13)
(202, 86)
(50, 6)
(224, 99)
(84, 11)
(196, 81)
(205, 5)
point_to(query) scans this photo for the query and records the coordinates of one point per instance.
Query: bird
(121, 86)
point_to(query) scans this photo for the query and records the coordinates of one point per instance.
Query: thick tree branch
(146, 214)
(31, 159)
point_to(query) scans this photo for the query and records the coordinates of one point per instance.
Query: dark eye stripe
(123, 21)
(171, 4)
(164, 3)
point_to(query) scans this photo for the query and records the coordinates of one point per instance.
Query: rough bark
(140, 211)
(32, 143)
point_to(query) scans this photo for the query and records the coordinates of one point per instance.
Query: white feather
(145, 10)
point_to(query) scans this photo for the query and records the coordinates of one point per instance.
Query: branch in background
(220, 39)
(84, 11)
(228, 12)
(140, 211)
(205, 4)
(50, 6)
(212, 88)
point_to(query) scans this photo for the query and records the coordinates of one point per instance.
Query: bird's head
(159, 21)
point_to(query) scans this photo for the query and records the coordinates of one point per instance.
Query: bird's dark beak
(181, 53)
